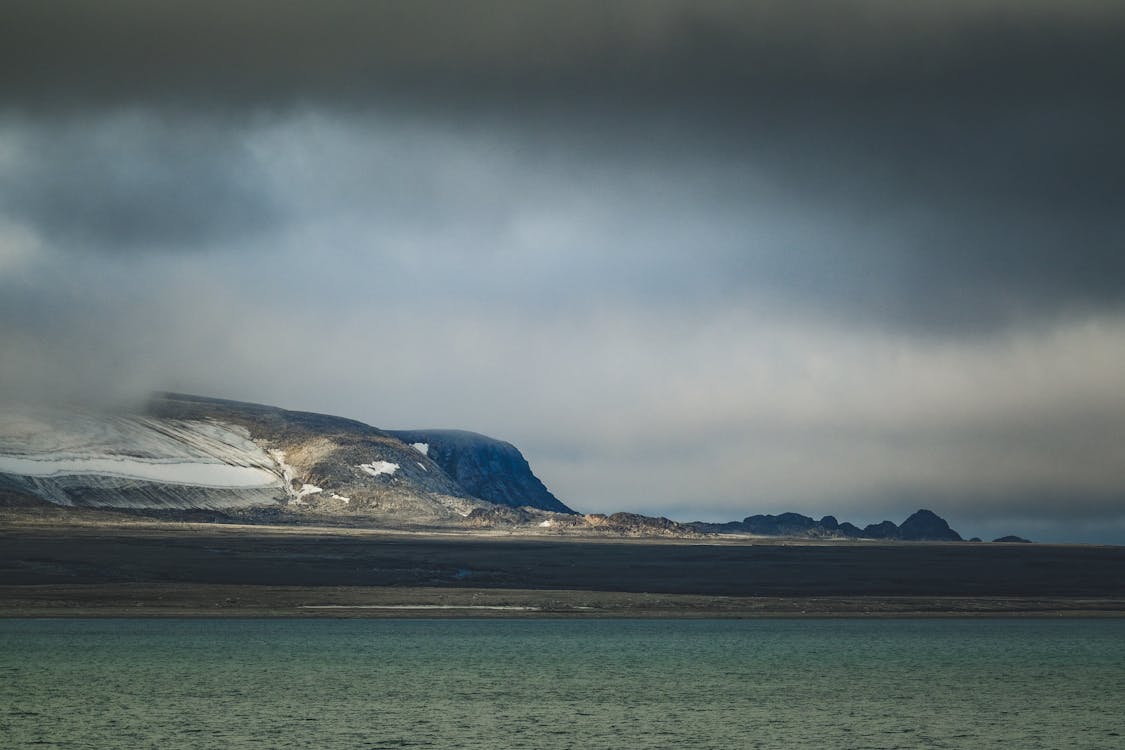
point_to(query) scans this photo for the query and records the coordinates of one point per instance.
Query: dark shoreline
(153, 569)
(226, 601)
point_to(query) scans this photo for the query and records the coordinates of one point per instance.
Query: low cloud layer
(698, 259)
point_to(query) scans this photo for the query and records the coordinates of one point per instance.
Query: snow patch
(375, 468)
(308, 489)
(423, 448)
(547, 524)
(421, 465)
(500, 607)
(341, 497)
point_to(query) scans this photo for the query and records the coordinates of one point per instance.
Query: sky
(695, 259)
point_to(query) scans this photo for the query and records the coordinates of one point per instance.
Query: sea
(512, 683)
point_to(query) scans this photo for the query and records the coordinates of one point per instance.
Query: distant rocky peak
(925, 524)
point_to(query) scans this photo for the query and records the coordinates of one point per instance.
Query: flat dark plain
(173, 569)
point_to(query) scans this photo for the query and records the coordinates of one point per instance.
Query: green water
(545, 684)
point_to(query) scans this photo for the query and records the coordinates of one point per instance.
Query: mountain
(190, 453)
(929, 526)
(923, 525)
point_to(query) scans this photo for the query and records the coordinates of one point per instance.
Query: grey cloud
(943, 167)
(831, 233)
(131, 182)
(828, 233)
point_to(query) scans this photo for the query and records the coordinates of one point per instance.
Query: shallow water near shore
(334, 684)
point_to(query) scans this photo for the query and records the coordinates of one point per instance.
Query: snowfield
(172, 472)
(134, 461)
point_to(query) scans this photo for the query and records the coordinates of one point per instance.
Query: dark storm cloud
(967, 152)
(259, 52)
(131, 182)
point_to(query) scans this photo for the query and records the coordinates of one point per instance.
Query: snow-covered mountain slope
(128, 461)
(192, 453)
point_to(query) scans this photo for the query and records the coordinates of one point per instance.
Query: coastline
(233, 601)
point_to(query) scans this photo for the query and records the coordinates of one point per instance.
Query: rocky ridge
(923, 525)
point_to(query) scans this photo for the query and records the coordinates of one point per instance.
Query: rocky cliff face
(485, 468)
